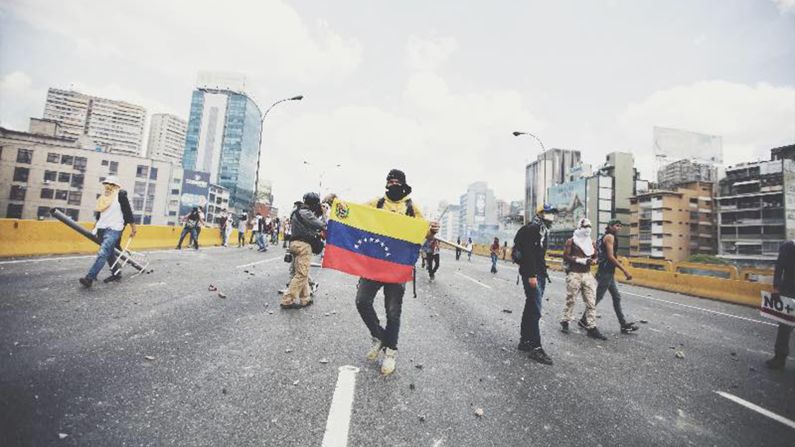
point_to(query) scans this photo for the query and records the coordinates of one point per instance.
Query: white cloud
(429, 54)
(19, 100)
(751, 119)
(785, 5)
(261, 38)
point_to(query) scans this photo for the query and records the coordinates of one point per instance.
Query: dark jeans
(494, 263)
(393, 304)
(457, 253)
(782, 340)
(241, 238)
(606, 281)
(109, 240)
(433, 263)
(530, 333)
(194, 236)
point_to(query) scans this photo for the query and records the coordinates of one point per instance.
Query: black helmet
(311, 199)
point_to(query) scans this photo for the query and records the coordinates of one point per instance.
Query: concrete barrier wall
(49, 237)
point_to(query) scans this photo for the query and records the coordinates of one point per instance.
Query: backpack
(409, 206)
(516, 255)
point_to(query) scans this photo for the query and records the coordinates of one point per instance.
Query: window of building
(147, 220)
(43, 212)
(50, 176)
(17, 192)
(137, 219)
(77, 180)
(47, 193)
(138, 203)
(114, 167)
(52, 157)
(61, 194)
(150, 203)
(142, 171)
(172, 213)
(67, 160)
(24, 156)
(104, 162)
(64, 177)
(174, 192)
(21, 174)
(81, 163)
(73, 213)
(153, 174)
(75, 197)
(140, 189)
(14, 211)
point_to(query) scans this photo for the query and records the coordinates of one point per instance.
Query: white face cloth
(582, 237)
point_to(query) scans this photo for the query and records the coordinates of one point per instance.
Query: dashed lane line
(758, 409)
(473, 280)
(339, 415)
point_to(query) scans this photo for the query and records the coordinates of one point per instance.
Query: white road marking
(339, 415)
(701, 309)
(472, 279)
(255, 263)
(758, 409)
(18, 261)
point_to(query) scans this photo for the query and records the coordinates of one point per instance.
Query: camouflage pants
(582, 284)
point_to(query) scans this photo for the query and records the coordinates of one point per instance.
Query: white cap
(112, 179)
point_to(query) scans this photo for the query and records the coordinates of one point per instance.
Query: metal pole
(56, 213)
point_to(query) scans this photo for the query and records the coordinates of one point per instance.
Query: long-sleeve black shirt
(533, 246)
(784, 277)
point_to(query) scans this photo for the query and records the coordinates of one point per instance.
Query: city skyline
(433, 96)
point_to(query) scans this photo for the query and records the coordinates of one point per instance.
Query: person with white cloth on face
(578, 256)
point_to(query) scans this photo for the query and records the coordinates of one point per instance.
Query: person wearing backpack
(385, 339)
(607, 247)
(579, 255)
(529, 251)
(307, 223)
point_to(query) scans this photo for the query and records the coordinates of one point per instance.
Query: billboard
(570, 200)
(675, 144)
(195, 189)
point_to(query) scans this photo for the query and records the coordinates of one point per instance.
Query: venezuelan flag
(373, 243)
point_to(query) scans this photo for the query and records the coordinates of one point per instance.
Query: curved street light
(259, 147)
(543, 151)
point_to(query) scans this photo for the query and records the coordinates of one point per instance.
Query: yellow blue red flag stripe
(373, 243)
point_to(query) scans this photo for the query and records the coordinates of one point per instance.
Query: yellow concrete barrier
(49, 237)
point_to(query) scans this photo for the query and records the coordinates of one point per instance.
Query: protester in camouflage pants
(579, 255)
(581, 284)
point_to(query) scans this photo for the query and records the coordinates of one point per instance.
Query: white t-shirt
(112, 218)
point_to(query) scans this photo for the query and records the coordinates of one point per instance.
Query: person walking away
(783, 284)
(191, 221)
(458, 248)
(579, 255)
(607, 247)
(241, 230)
(385, 339)
(469, 250)
(432, 256)
(532, 241)
(223, 224)
(307, 223)
(494, 251)
(113, 213)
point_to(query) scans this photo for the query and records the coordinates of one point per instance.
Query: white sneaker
(388, 365)
(372, 354)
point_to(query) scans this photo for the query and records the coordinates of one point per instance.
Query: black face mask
(397, 192)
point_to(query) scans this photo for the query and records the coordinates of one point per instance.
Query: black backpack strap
(380, 203)
(409, 208)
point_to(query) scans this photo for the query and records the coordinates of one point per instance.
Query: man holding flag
(381, 249)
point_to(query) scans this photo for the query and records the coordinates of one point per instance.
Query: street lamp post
(259, 147)
(543, 151)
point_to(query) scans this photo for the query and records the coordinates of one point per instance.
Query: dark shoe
(564, 327)
(629, 327)
(525, 346)
(313, 288)
(112, 278)
(776, 362)
(86, 282)
(582, 323)
(290, 306)
(594, 333)
(540, 356)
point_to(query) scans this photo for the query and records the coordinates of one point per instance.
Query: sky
(432, 88)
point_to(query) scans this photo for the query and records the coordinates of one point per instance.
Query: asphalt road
(160, 360)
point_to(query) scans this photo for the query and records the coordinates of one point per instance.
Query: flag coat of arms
(373, 243)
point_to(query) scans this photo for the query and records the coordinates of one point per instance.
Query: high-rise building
(675, 224)
(448, 223)
(755, 208)
(223, 138)
(114, 126)
(40, 170)
(166, 138)
(478, 213)
(552, 167)
(686, 171)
